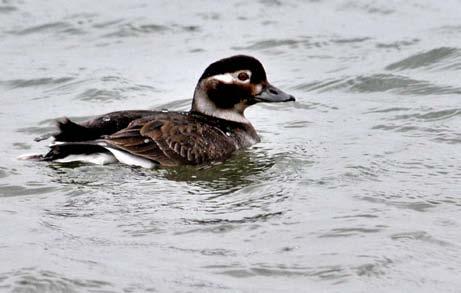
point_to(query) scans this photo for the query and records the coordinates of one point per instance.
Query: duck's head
(230, 85)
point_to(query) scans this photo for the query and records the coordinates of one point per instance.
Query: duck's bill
(271, 94)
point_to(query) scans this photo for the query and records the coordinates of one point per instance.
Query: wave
(374, 83)
(59, 27)
(7, 8)
(437, 59)
(35, 82)
(431, 115)
(31, 280)
(303, 41)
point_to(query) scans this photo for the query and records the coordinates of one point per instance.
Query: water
(354, 188)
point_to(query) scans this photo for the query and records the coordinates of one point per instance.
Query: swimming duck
(211, 131)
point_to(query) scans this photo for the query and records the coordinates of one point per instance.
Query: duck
(213, 129)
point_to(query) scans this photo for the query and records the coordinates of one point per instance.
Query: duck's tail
(31, 157)
(63, 152)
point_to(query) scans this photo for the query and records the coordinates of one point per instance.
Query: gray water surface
(355, 187)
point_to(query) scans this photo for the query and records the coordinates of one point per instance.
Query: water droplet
(146, 140)
(228, 133)
(105, 118)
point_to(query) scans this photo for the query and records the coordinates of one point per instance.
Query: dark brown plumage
(213, 129)
(182, 138)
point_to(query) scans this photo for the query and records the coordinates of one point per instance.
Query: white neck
(204, 105)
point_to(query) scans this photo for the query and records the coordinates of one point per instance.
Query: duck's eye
(243, 76)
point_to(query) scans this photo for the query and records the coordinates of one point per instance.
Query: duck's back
(167, 138)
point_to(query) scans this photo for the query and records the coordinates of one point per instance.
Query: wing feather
(173, 141)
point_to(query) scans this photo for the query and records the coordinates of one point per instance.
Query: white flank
(104, 158)
(98, 159)
(129, 159)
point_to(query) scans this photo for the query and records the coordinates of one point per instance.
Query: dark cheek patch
(225, 96)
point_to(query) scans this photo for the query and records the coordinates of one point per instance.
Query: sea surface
(355, 187)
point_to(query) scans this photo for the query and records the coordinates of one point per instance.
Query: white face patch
(232, 77)
(226, 77)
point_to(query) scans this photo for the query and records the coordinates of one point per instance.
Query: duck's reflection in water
(195, 192)
(241, 170)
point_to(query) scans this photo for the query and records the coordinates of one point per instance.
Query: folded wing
(172, 141)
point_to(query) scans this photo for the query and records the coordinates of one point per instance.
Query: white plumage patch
(226, 77)
(129, 159)
(105, 158)
(232, 77)
(98, 159)
(205, 106)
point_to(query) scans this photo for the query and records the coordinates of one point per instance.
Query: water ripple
(397, 44)
(30, 280)
(7, 190)
(35, 82)
(270, 270)
(377, 268)
(347, 232)
(430, 116)
(419, 235)
(368, 8)
(428, 123)
(176, 105)
(274, 43)
(420, 206)
(441, 58)
(133, 30)
(351, 40)
(100, 95)
(111, 88)
(305, 42)
(249, 219)
(380, 83)
(448, 29)
(7, 8)
(3, 172)
(57, 28)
